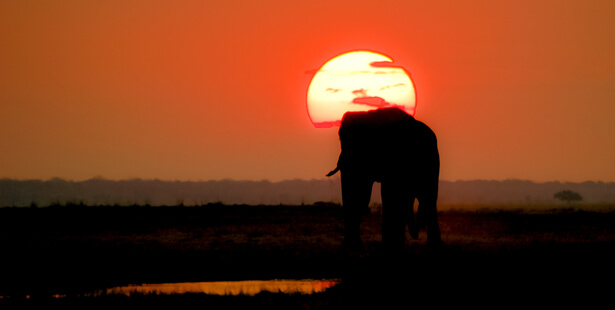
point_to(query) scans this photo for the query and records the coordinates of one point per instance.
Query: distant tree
(568, 196)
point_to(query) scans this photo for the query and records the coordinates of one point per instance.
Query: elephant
(389, 146)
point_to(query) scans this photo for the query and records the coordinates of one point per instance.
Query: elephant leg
(396, 201)
(356, 194)
(428, 215)
(413, 227)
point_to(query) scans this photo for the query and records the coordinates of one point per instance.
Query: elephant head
(391, 147)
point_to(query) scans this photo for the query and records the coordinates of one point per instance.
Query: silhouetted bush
(568, 196)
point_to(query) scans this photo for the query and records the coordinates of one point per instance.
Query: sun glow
(358, 81)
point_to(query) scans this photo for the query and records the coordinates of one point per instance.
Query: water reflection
(224, 288)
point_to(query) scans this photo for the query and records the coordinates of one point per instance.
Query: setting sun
(358, 81)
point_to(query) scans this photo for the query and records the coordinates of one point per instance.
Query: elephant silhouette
(389, 146)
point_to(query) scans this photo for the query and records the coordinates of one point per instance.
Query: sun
(358, 81)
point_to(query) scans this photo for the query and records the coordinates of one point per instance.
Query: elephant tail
(334, 171)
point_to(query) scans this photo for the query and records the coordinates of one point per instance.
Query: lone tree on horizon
(568, 196)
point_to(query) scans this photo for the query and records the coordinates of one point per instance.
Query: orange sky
(201, 90)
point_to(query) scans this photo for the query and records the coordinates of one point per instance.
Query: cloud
(360, 92)
(333, 90)
(360, 72)
(385, 64)
(391, 86)
(371, 101)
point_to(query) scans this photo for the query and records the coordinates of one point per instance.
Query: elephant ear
(366, 138)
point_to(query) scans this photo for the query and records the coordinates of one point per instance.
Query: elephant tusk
(334, 171)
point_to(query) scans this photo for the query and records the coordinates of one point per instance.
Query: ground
(510, 255)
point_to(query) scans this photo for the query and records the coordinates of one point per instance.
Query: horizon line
(100, 178)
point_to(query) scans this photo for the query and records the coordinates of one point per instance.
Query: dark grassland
(489, 255)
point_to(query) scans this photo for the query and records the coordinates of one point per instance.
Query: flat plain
(553, 254)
